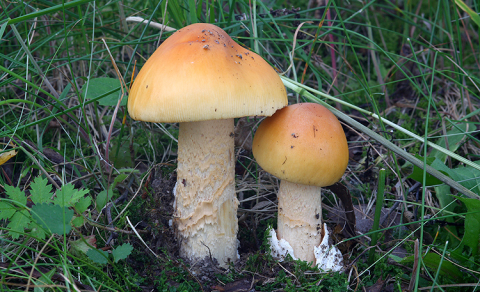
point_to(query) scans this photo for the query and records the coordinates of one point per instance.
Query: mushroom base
(327, 257)
(206, 204)
(300, 218)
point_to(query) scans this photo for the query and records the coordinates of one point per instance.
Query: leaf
(102, 85)
(467, 176)
(455, 137)
(53, 218)
(82, 204)
(6, 209)
(37, 231)
(417, 173)
(471, 237)
(98, 256)
(78, 221)
(68, 196)
(41, 192)
(101, 200)
(118, 179)
(16, 195)
(5, 156)
(44, 281)
(475, 17)
(433, 260)
(122, 252)
(82, 245)
(18, 223)
(120, 154)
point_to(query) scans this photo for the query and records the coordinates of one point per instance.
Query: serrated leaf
(16, 195)
(67, 196)
(98, 256)
(82, 204)
(53, 218)
(122, 252)
(6, 209)
(37, 231)
(102, 85)
(471, 237)
(18, 223)
(78, 221)
(41, 192)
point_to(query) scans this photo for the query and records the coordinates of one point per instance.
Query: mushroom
(305, 146)
(202, 79)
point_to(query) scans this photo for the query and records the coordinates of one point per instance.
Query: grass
(402, 77)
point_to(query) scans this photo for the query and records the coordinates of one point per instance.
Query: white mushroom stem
(327, 258)
(300, 218)
(206, 205)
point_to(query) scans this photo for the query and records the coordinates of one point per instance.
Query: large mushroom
(305, 146)
(202, 79)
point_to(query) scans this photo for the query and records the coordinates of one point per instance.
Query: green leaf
(68, 196)
(6, 209)
(16, 195)
(455, 137)
(475, 17)
(18, 223)
(468, 177)
(37, 231)
(82, 204)
(120, 154)
(41, 192)
(122, 252)
(53, 218)
(417, 173)
(118, 179)
(471, 237)
(98, 256)
(82, 245)
(102, 85)
(102, 197)
(78, 221)
(43, 281)
(433, 260)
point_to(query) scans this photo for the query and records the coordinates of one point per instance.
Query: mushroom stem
(206, 205)
(300, 218)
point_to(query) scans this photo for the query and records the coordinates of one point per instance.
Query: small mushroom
(195, 82)
(305, 146)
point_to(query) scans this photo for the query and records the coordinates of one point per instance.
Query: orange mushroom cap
(302, 143)
(200, 73)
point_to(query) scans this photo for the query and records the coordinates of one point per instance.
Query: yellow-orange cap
(199, 73)
(302, 143)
